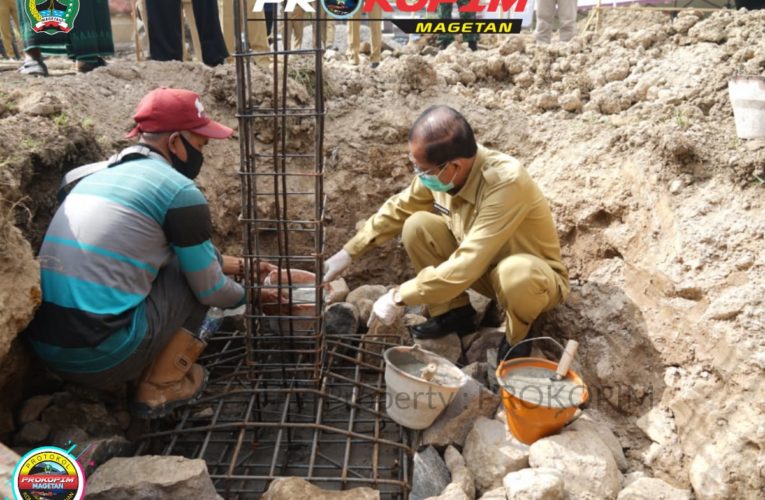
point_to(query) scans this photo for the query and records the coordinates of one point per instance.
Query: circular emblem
(341, 9)
(50, 473)
(52, 16)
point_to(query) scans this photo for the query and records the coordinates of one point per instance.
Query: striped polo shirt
(103, 250)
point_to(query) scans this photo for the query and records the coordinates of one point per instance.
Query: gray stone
(295, 488)
(603, 431)
(571, 102)
(93, 418)
(151, 477)
(452, 492)
(32, 408)
(491, 453)
(99, 451)
(658, 425)
(588, 466)
(472, 401)
(430, 475)
(448, 346)
(485, 339)
(477, 370)
(534, 484)
(495, 494)
(363, 298)
(369, 292)
(462, 478)
(8, 461)
(649, 488)
(338, 291)
(341, 318)
(709, 476)
(34, 432)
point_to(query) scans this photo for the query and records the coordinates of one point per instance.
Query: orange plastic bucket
(532, 421)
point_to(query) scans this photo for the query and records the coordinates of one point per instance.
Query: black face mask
(194, 159)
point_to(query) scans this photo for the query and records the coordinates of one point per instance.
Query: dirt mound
(628, 131)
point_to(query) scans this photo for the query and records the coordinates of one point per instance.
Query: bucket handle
(563, 349)
(531, 339)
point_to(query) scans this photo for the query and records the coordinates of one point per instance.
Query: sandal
(87, 66)
(34, 67)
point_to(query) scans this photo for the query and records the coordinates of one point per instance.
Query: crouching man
(470, 218)
(128, 270)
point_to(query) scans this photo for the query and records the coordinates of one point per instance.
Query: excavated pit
(630, 135)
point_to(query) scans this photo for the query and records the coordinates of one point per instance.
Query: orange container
(531, 421)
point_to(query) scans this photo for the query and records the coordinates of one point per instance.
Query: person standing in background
(297, 20)
(8, 11)
(546, 10)
(87, 43)
(256, 29)
(445, 12)
(354, 35)
(164, 26)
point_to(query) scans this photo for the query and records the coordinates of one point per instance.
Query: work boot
(458, 321)
(172, 379)
(522, 351)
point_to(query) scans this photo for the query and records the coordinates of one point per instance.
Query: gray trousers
(566, 17)
(169, 306)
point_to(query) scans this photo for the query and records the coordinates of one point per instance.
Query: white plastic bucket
(412, 401)
(747, 96)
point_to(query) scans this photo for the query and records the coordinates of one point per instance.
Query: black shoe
(374, 65)
(522, 351)
(473, 44)
(459, 321)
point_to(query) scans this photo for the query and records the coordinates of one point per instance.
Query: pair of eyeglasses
(420, 171)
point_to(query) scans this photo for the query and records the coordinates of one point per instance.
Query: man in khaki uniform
(257, 34)
(354, 35)
(471, 218)
(297, 23)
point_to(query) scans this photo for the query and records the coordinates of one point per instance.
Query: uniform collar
(469, 190)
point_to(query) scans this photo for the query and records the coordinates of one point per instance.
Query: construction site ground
(630, 134)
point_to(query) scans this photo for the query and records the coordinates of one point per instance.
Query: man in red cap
(128, 270)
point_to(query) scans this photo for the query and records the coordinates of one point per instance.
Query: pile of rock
(94, 421)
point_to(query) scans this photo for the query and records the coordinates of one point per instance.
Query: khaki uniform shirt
(498, 212)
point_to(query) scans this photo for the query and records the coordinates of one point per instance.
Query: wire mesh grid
(336, 435)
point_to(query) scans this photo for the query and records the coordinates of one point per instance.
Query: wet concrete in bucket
(534, 386)
(443, 375)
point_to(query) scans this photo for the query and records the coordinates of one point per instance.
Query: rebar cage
(285, 398)
(282, 200)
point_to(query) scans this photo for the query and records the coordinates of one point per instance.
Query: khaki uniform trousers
(8, 11)
(256, 30)
(546, 14)
(354, 34)
(297, 23)
(523, 284)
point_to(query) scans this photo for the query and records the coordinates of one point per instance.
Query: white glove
(385, 309)
(335, 265)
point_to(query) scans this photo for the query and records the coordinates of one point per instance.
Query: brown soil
(630, 134)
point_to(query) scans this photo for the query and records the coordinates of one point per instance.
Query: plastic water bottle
(211, 323)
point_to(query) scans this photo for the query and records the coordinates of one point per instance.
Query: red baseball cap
(170, 110)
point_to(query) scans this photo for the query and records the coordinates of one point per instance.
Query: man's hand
(386, 309)
(335, 265)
